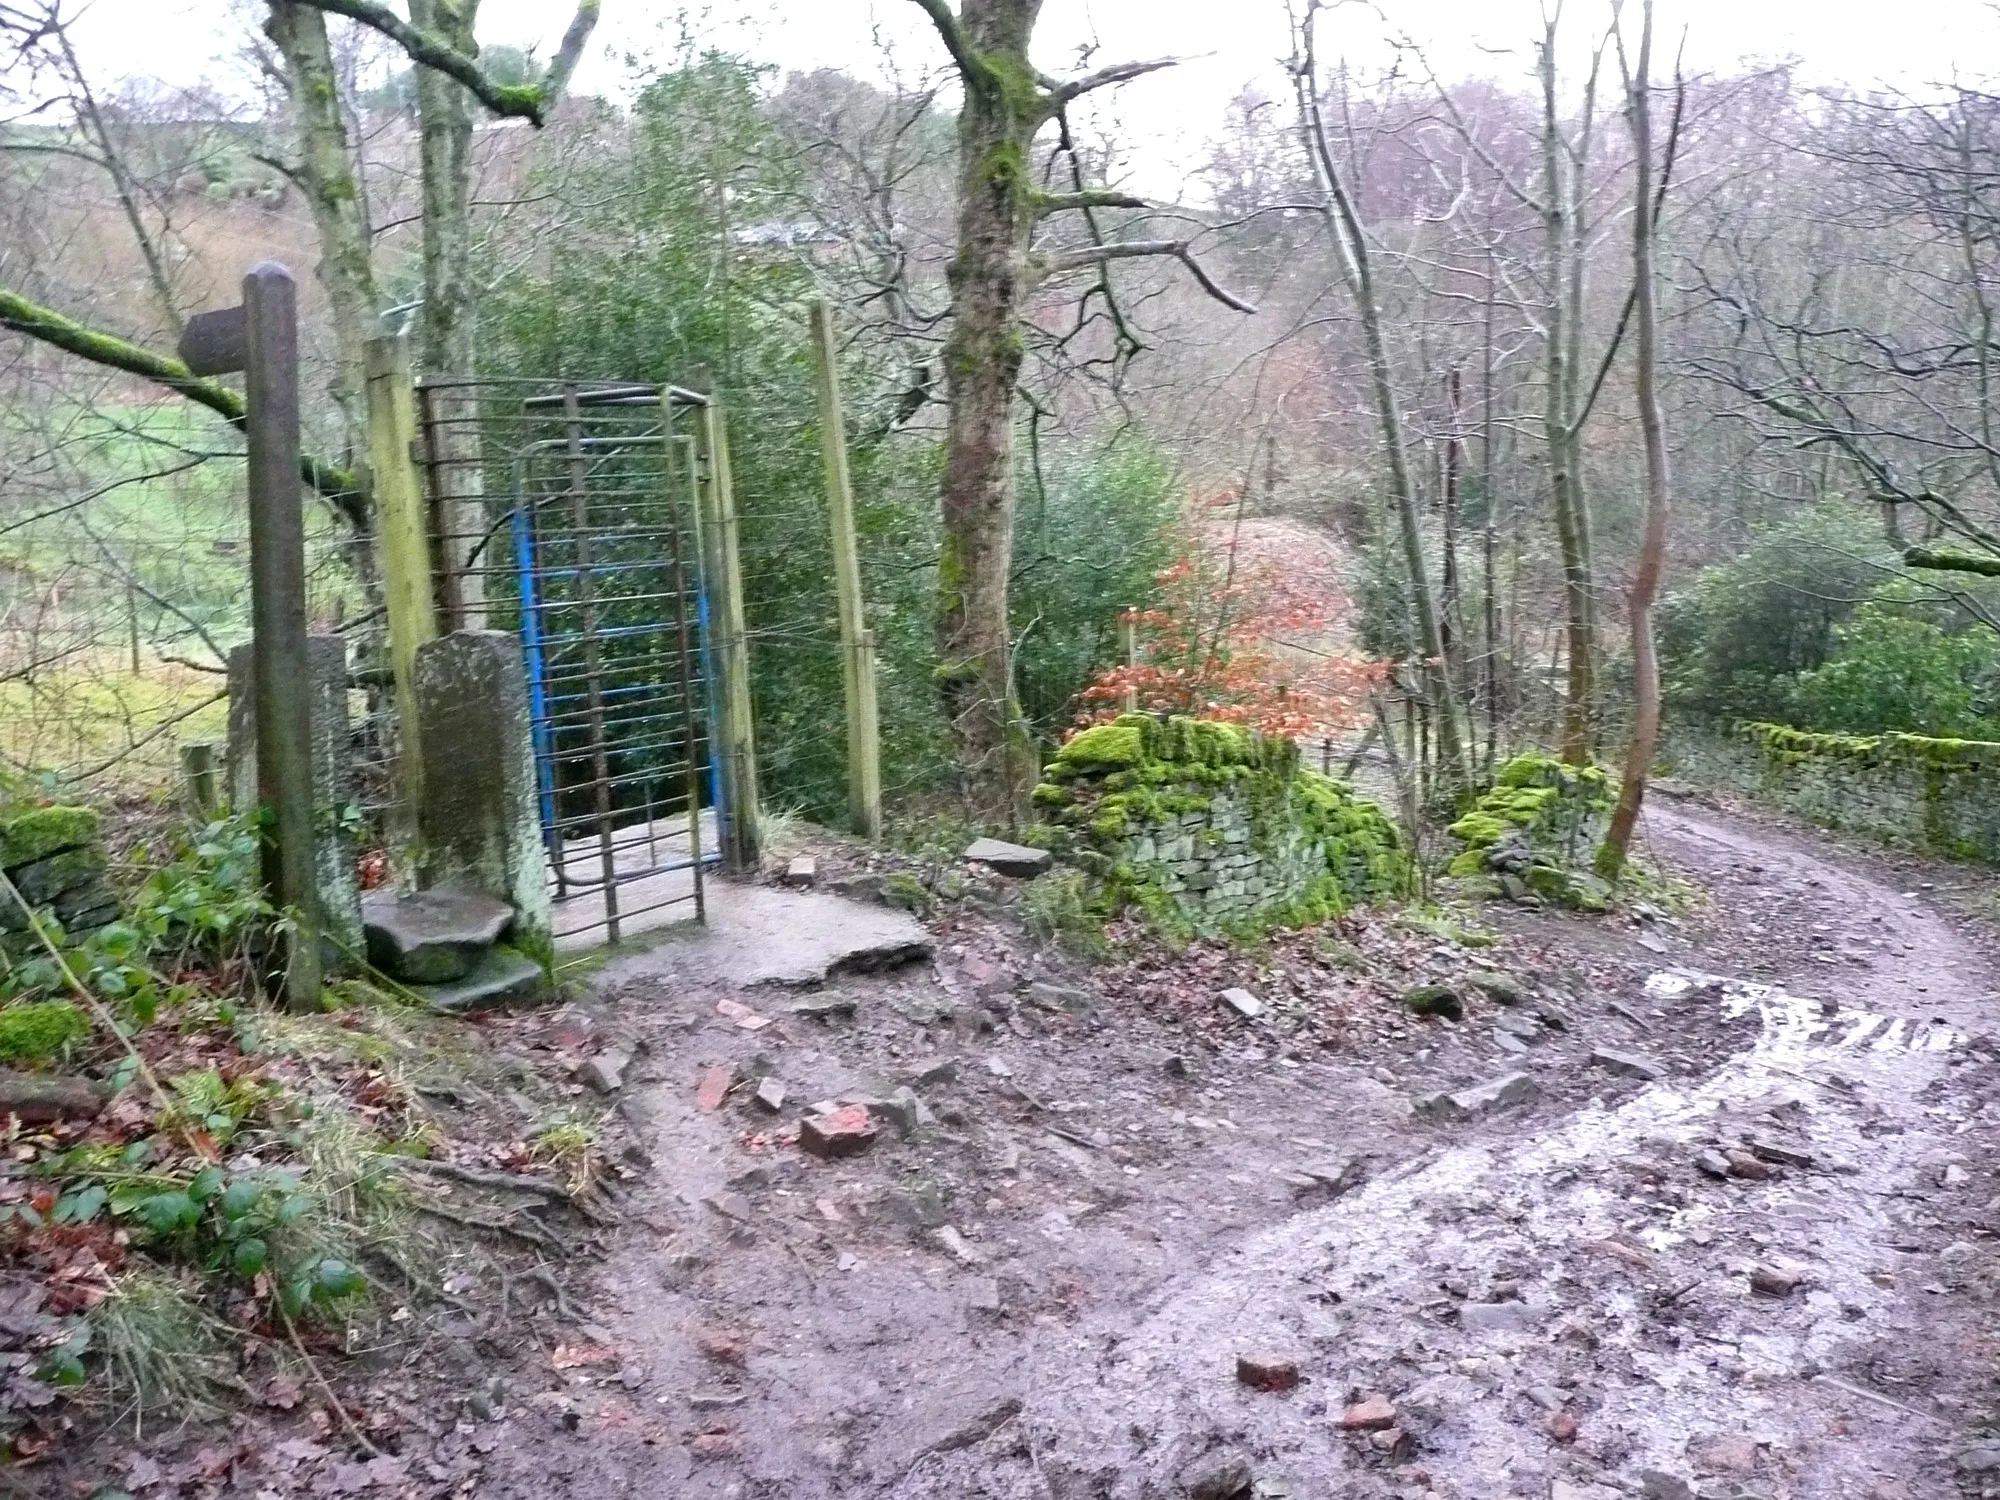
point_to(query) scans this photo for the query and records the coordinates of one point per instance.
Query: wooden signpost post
(261, 338)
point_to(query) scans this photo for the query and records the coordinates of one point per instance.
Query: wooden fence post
(1128, 646)
(198, 771)
(857, 642)
(278, 616)
(402, 540)
(724, 578)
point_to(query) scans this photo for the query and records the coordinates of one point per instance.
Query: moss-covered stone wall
(54, 859)
(1538, 824)
(1210, 827)
(1935, 795)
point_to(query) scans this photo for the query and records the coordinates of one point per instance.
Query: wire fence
(125, 583)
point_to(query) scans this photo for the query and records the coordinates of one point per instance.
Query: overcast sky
(1167, 119)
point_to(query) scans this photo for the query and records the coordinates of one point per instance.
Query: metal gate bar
(588, 548)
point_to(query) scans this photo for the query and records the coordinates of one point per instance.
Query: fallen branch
(529, 1233)
(312, 1368)
(504, 1182)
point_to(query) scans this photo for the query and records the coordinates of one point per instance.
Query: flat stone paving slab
(760, 935)
(428, 937)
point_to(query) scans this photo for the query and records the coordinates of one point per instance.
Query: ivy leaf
(240, 1197)
(207, 1183)
(163, 1213)
(249, 1257)
(82, 1206)
(335, 1278)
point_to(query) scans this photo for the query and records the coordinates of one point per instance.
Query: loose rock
(1221, 1476)
(1655, 1484)
(1243, 1003)
(1439, 1000)
(1004, 858)
(1768, 1281)
(1500, 1093)
(1742, 1164)
(824, 1007)
(1631, 1064)
(770, 1094)
(802, 871)
(1714, 1163)
(1502, 989)
(1263, 1370)
(605, 1072)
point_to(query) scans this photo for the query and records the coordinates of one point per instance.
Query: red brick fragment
(1562, 1427)
(717, 1442)
(1376, 1414)
(847, 1131)
(714, 1085)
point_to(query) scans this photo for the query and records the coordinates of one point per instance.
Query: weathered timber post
(1128, 645)
(198, 771)
(401, 540)
(261, 338)
(716, 508)
(857, 643)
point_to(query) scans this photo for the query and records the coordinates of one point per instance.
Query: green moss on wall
(38, 832)
(1937, 795)
(1207, 827)
(1539, 820)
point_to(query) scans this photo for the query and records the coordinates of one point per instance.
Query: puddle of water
(1795, 1026)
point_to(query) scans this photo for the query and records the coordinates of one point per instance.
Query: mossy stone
(40, 1031)
(1439, 1000)
(38, 832)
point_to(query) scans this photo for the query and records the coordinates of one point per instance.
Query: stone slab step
(1008, 859)
(501, 977)
(430, 937)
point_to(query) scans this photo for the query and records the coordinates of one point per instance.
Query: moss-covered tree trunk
(446, 347)
(326, 171)
(1653, 549)
(1565, 171)
(989, 273)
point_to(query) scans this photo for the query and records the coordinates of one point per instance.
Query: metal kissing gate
(572, 514)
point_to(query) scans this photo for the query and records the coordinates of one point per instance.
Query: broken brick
(1562, 1427)
(1262, 1370)
(716, 1443)
(714, 1086)
(1375, 1414)
(723, 1345)
(847, 1131)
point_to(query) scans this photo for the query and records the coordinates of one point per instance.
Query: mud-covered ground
(1114, 1187)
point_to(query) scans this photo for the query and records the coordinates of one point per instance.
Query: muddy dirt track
(1748, 1255)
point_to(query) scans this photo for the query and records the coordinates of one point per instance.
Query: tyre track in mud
(1591, 1267)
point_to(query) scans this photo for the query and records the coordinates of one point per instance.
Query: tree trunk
(326, 172)
(1652, 553)
(1356, 269)
(988, 276)
(1562, 207)
(445, 348)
